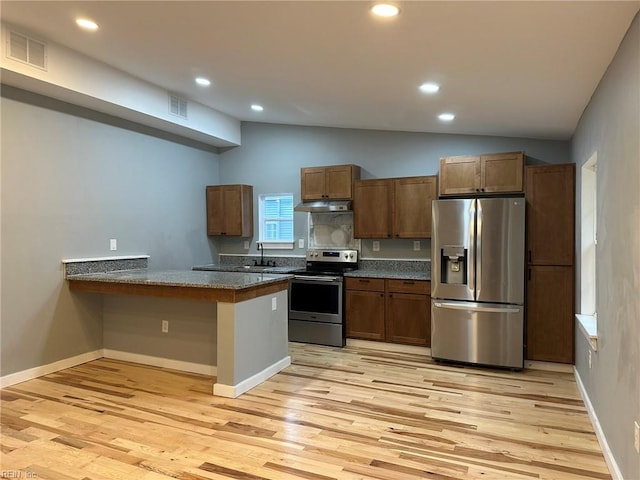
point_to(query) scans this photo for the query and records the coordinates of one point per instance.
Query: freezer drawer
(486, 334)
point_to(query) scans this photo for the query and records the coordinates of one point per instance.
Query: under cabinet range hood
(335, 206)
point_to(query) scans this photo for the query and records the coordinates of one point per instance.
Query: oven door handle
(316, 279)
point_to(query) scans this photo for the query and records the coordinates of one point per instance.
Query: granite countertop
(183, 278)
(217, 267)
(392, 274)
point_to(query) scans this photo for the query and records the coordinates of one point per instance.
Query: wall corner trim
(31, 373)
(606, 451)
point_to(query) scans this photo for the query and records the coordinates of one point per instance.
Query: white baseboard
(616, 474)
(233, 391)
(191, 367)
(30, 374)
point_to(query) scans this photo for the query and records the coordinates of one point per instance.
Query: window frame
(262, 223)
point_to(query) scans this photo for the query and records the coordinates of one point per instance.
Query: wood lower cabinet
(328, 183)
(408, 312)
(365, 308)
(482, 174)
(393, 207)
(230, 210)
(391, 310)
(550, 314)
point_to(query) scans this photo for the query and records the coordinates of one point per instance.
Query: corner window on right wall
(588, 236)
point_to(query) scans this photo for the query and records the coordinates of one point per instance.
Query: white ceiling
(505, 68)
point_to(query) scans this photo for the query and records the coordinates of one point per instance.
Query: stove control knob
(351, 255)
(346, 255)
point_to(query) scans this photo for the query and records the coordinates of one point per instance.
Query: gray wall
(69, 184)
(610, 126)
(271, 156)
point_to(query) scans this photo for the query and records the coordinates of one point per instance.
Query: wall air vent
(177, 106)
(27, 50)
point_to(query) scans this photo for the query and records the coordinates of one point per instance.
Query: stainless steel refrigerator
(477, 281)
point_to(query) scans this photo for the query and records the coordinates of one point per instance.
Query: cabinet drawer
(369, 284)
(409, 286)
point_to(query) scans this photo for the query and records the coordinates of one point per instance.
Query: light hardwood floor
(352, 413)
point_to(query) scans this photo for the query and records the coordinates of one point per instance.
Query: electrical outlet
(246, 244)
(113, 244)
(636, 436)
(301, 243)
(589, 358)
(416, 245)
(165, 326)
(274, 303)
(376, 246)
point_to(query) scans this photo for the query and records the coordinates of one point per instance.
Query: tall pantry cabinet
(550, 196)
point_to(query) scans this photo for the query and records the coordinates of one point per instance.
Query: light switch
(274, 303)
(113, 244)
(301, 243)
(246, 244)
(376, 246)
(416, 245)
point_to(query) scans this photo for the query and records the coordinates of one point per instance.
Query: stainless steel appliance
(477, 284)
(316, 298)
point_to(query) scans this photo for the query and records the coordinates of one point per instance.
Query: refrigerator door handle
(471, 260)
(457, 306)
(478, 250)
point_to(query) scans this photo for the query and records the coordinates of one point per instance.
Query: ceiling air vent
(27, 50)
(177, 106)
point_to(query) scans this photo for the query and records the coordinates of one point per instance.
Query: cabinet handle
(408, 282)
(364, 281)
(529, 256)
(381, 295)
(529, 274)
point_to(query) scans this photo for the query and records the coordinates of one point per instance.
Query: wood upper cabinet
(328, 183)
(392, 310)
(372, 208)
(393, 207)
(550, 195)
(482, 174)
(230, 210)
(412, 197)
(365, 308)
(550, 313)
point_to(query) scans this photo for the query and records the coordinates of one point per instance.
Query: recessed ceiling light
(385, 10)
(205, 82)
(446, 117)
(429, 87)
(257, 108)
(86, 24)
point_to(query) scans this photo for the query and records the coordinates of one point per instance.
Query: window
(588, 236)
(276, 220)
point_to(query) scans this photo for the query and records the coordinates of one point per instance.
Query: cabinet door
(372, 208)
(501, 173)
(312, 183)
(365, 315)
(339, 182)
(550, 194)
(230, 210)
(459, 175)
(412, 206)
(408, 318)
(215, 210)
(550, 314)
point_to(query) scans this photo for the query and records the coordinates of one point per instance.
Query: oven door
(316, 298)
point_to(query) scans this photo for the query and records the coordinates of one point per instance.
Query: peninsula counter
(252, 336)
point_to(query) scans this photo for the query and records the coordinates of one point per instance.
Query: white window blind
(276, 220)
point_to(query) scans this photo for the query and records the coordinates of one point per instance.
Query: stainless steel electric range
(316, 298)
